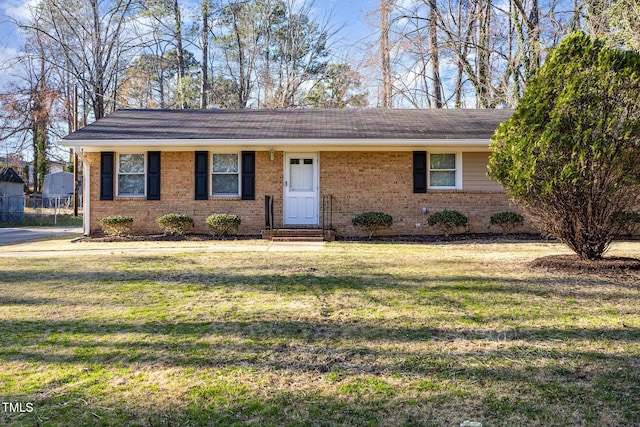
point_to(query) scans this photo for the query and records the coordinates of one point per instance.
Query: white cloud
(7, 53)
(19, 10)
(7, 60)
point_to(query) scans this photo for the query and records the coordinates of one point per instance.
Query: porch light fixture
(271, 155)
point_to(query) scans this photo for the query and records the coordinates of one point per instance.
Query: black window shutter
(419, 171)
(153, 175)
(248, 175)
(106, 175)
(202, 175)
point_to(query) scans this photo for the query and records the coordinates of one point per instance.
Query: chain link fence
(39, 210)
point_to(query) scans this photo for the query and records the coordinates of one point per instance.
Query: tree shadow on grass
(529, 361)
(556, 364)
(202, 343)
(297, 280)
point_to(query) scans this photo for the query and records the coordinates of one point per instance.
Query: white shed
(57, 184)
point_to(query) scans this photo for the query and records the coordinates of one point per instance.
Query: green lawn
(355, 334)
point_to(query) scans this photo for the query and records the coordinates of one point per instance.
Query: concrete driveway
(21, 234)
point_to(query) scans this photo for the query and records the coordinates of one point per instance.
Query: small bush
(447, 221)
(507, 221)
(116, 225)
(372, 222)
(223, 224)
(628, 222)
(176, 224)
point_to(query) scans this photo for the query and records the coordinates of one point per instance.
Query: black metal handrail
(268, 212)
(327, 214)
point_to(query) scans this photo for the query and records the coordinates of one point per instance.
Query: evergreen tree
(570, 155)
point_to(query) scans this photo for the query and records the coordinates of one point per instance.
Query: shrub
(223, 224)
(506, 220)
(176, 224)
(372, 222)
(116, 225)
(447, 221)
(628, 222)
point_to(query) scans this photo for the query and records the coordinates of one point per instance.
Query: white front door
(301, 185)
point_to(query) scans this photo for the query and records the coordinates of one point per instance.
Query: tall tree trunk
(40, 121)
(435, 55)
(529, 45)
(161, 83)
(98, 98)
(534, 37)
(243, 78)
(459, 62)
(204, 88)
(267, 79)
(483, 56)
(180, 54)
(385, 53)
(514, 64)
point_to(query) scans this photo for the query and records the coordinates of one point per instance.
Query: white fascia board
(324, 144)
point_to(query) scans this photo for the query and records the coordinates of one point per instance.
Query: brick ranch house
(310, 167)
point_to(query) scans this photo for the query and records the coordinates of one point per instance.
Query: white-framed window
(131, 170)
(445, 171)
(225, 174)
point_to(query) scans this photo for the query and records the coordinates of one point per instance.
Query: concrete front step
(298, 235)
(298, 239)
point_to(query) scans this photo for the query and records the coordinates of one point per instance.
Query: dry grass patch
(355, 334)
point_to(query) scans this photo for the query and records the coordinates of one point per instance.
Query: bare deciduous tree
(90, 36)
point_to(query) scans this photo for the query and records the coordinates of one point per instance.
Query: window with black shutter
(419, 171)
(106, 175)
(248, 175)
(153, 175)
(201, 175)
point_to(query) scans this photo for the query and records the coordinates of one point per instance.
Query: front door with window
(301, 188)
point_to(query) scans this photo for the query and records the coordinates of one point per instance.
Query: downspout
(86, 190)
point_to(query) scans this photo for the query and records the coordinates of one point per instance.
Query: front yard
(354, 334)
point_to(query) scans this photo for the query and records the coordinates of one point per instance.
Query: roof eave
(333, 143)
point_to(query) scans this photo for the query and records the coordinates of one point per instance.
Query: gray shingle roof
(7, 174)
(294, 124)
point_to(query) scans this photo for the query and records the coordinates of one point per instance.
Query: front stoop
(299, 235)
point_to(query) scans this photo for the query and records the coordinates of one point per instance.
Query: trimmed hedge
(507, 221)
(372, 222)
(447, 221)
(223, 224)
(116, 225)
(628, 222)
(175, 224)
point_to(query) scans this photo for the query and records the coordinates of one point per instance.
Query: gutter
(86, 190)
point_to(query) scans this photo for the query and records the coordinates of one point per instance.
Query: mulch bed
(438, 238)
(419, 238)
(573, 264)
